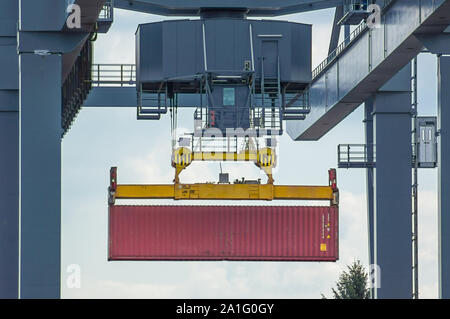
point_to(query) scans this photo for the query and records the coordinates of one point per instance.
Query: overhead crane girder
(249, 7)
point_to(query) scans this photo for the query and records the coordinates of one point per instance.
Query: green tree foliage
(352, 283)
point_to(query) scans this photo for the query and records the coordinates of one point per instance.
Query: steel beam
(237, 191)
(444, 175)
(367, 63)
(255, 7)
(9, 204)
(32, 13)
(436, 44)
(127, 97)
(224, 192)
(33, 10)
(336, 29)
(392, 193)
(53, 42)
(40, 154)
(41, 46)
(40, 213)
(9, 151)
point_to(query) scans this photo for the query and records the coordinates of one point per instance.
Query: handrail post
(132, 72)
(121, 75)
(348, 153)
(365, 154)
(262, 81)
(339, 153)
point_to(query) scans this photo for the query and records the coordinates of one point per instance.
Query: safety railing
(123, 75)
(341, 47)
(152, 104)
(231, 144)
(296, 106)
(216, 144)
(345, 43)
(266, 118)
(355, 155)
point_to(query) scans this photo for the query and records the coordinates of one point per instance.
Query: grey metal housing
(173, 51)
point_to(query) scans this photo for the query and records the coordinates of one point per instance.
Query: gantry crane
(210, 73)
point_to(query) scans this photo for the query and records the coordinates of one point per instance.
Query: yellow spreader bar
(225, 192)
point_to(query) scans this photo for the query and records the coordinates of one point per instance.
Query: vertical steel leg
(9, 204)
(40, 213)
(9, 151)
(444, 175)
(393, 207)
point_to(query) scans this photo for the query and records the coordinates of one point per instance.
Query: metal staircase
(267, 108)
(298, 106)
(273, 98)
(151, 104)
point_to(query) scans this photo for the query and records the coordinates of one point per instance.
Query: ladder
(151, 104)
(415, 185)
(267, 109)
(298, 106)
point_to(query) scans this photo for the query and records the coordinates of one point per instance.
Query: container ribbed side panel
(245, 233)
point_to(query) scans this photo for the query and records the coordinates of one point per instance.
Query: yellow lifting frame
(207, 191)
(264, 159)
(224, 192)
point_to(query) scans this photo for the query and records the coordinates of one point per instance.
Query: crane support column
(40, 148)
(40, 213)
(392, 193)
(9, 151)
(9, 201)
(444, 175)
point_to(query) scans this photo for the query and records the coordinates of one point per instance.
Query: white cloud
(428, 244)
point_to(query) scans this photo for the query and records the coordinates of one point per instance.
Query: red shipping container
(239, 233)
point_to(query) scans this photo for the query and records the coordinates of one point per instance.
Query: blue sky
(101, 138)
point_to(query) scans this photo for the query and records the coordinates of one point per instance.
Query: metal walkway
(113, 75)
(357, 69)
